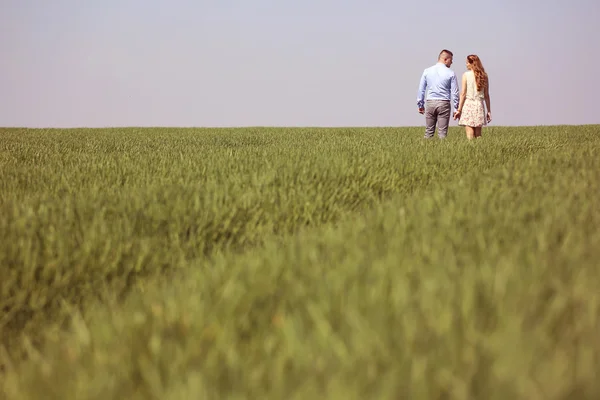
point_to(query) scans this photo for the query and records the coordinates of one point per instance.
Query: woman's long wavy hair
(481, 78)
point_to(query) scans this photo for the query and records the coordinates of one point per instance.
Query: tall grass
(300, 263)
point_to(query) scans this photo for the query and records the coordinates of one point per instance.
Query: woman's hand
(489, 116)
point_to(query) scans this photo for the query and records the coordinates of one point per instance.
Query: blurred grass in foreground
(417, 270)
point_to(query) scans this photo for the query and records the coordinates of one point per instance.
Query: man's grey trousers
(437, 111)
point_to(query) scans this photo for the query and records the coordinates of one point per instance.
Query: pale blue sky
(68, 63)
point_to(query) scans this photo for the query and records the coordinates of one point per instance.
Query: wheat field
(299, 263)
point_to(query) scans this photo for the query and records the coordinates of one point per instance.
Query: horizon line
(275, 126)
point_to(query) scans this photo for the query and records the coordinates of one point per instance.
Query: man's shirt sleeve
(454, 91)
(421, 92)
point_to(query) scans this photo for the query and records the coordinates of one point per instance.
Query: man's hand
(456, 115)
(489, 116)
(421, 110)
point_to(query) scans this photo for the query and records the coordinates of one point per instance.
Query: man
(442, 87)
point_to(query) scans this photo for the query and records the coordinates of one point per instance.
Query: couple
(442, 86)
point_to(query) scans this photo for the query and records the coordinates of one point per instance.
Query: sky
(224, 63)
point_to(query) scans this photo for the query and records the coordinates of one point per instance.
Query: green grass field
(280, 263)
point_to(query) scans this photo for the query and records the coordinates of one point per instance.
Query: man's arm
(454, 91)
(421, 92)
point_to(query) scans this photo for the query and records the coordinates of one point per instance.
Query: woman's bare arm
(463, 92)
(487, 97)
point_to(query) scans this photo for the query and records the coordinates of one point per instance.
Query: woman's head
(475, 65)
(474, 61)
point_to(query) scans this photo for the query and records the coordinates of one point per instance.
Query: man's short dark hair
(447, 52)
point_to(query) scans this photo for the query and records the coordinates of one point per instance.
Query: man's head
(445, 57)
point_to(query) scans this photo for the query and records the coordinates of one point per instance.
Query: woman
(475, 90)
